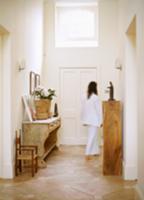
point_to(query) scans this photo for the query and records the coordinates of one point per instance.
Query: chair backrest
(18, 139)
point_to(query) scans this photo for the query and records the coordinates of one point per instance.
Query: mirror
(32, 82)
(37, 80)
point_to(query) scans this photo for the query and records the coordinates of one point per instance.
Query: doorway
(73, 88)
(6, 167)
(130, 104)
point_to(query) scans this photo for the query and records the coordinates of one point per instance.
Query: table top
(45, 121)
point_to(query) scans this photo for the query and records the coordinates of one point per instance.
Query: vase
(42, 107)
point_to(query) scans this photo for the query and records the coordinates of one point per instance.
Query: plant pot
(42, 107)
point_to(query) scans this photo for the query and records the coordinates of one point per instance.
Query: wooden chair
(25, 153)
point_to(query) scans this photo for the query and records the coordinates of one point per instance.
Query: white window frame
(79, 42)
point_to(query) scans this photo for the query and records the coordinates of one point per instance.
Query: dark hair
(92, 88)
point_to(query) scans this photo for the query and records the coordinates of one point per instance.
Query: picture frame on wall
(37, 80)
(27, 107)
(32, 82)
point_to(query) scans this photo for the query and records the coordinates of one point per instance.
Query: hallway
(68, 177)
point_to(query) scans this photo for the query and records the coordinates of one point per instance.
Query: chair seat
(25, 157)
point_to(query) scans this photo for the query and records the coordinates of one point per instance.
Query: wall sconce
(118, 64)
(21, 65)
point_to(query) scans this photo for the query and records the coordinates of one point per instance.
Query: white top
(92, 111)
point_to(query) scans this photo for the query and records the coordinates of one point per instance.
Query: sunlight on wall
(76, 24)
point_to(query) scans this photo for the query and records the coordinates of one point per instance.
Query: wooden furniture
(42, 133)
(112, 155)
(42, 107)
(25, 153)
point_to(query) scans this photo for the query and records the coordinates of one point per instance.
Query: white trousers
(92, 147)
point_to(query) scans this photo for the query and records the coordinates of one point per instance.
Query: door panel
(73, 87)
(68, 92)
(69, 130)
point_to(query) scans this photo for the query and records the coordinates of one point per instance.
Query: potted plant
(42, 99)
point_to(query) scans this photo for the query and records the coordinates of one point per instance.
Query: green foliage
(42, 93)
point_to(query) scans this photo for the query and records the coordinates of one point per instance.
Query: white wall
(102, 57)
(130, 110)
(6, 107)
(128, 9)
(6, 154)
(23, 19)
(29, 42)
(0, 101)
(140, 42)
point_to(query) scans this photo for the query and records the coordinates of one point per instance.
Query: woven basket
(42, 107)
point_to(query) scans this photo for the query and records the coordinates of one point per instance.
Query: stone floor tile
(68, 177)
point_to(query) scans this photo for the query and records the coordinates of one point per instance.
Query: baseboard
(129, 172)
(140, 191)
(7, 171)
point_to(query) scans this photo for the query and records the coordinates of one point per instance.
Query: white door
(73, 86)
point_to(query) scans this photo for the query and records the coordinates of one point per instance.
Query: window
(76, 24)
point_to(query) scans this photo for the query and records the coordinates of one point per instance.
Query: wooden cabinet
(112, 155)
(42, 133)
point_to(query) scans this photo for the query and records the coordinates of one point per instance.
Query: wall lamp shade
(118, 64)
(21, 65)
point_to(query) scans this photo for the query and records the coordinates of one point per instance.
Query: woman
(92, 118)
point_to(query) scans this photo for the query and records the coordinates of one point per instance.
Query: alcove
(6, 168)
(130, 104)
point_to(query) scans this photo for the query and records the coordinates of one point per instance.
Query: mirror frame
(32, 82)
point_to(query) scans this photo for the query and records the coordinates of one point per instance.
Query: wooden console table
(112, 155)
(42, 133)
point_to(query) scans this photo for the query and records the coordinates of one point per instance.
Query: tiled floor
(68, 177)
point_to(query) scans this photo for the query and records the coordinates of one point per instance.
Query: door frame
(76, 68)
(130, 104)
(6, 148)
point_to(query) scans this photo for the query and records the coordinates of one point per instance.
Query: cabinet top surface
(114, 101)
(45, 121)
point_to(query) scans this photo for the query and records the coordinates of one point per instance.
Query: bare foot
(88, 157)
(96, 155)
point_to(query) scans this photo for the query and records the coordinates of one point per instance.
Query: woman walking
(92, 118)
